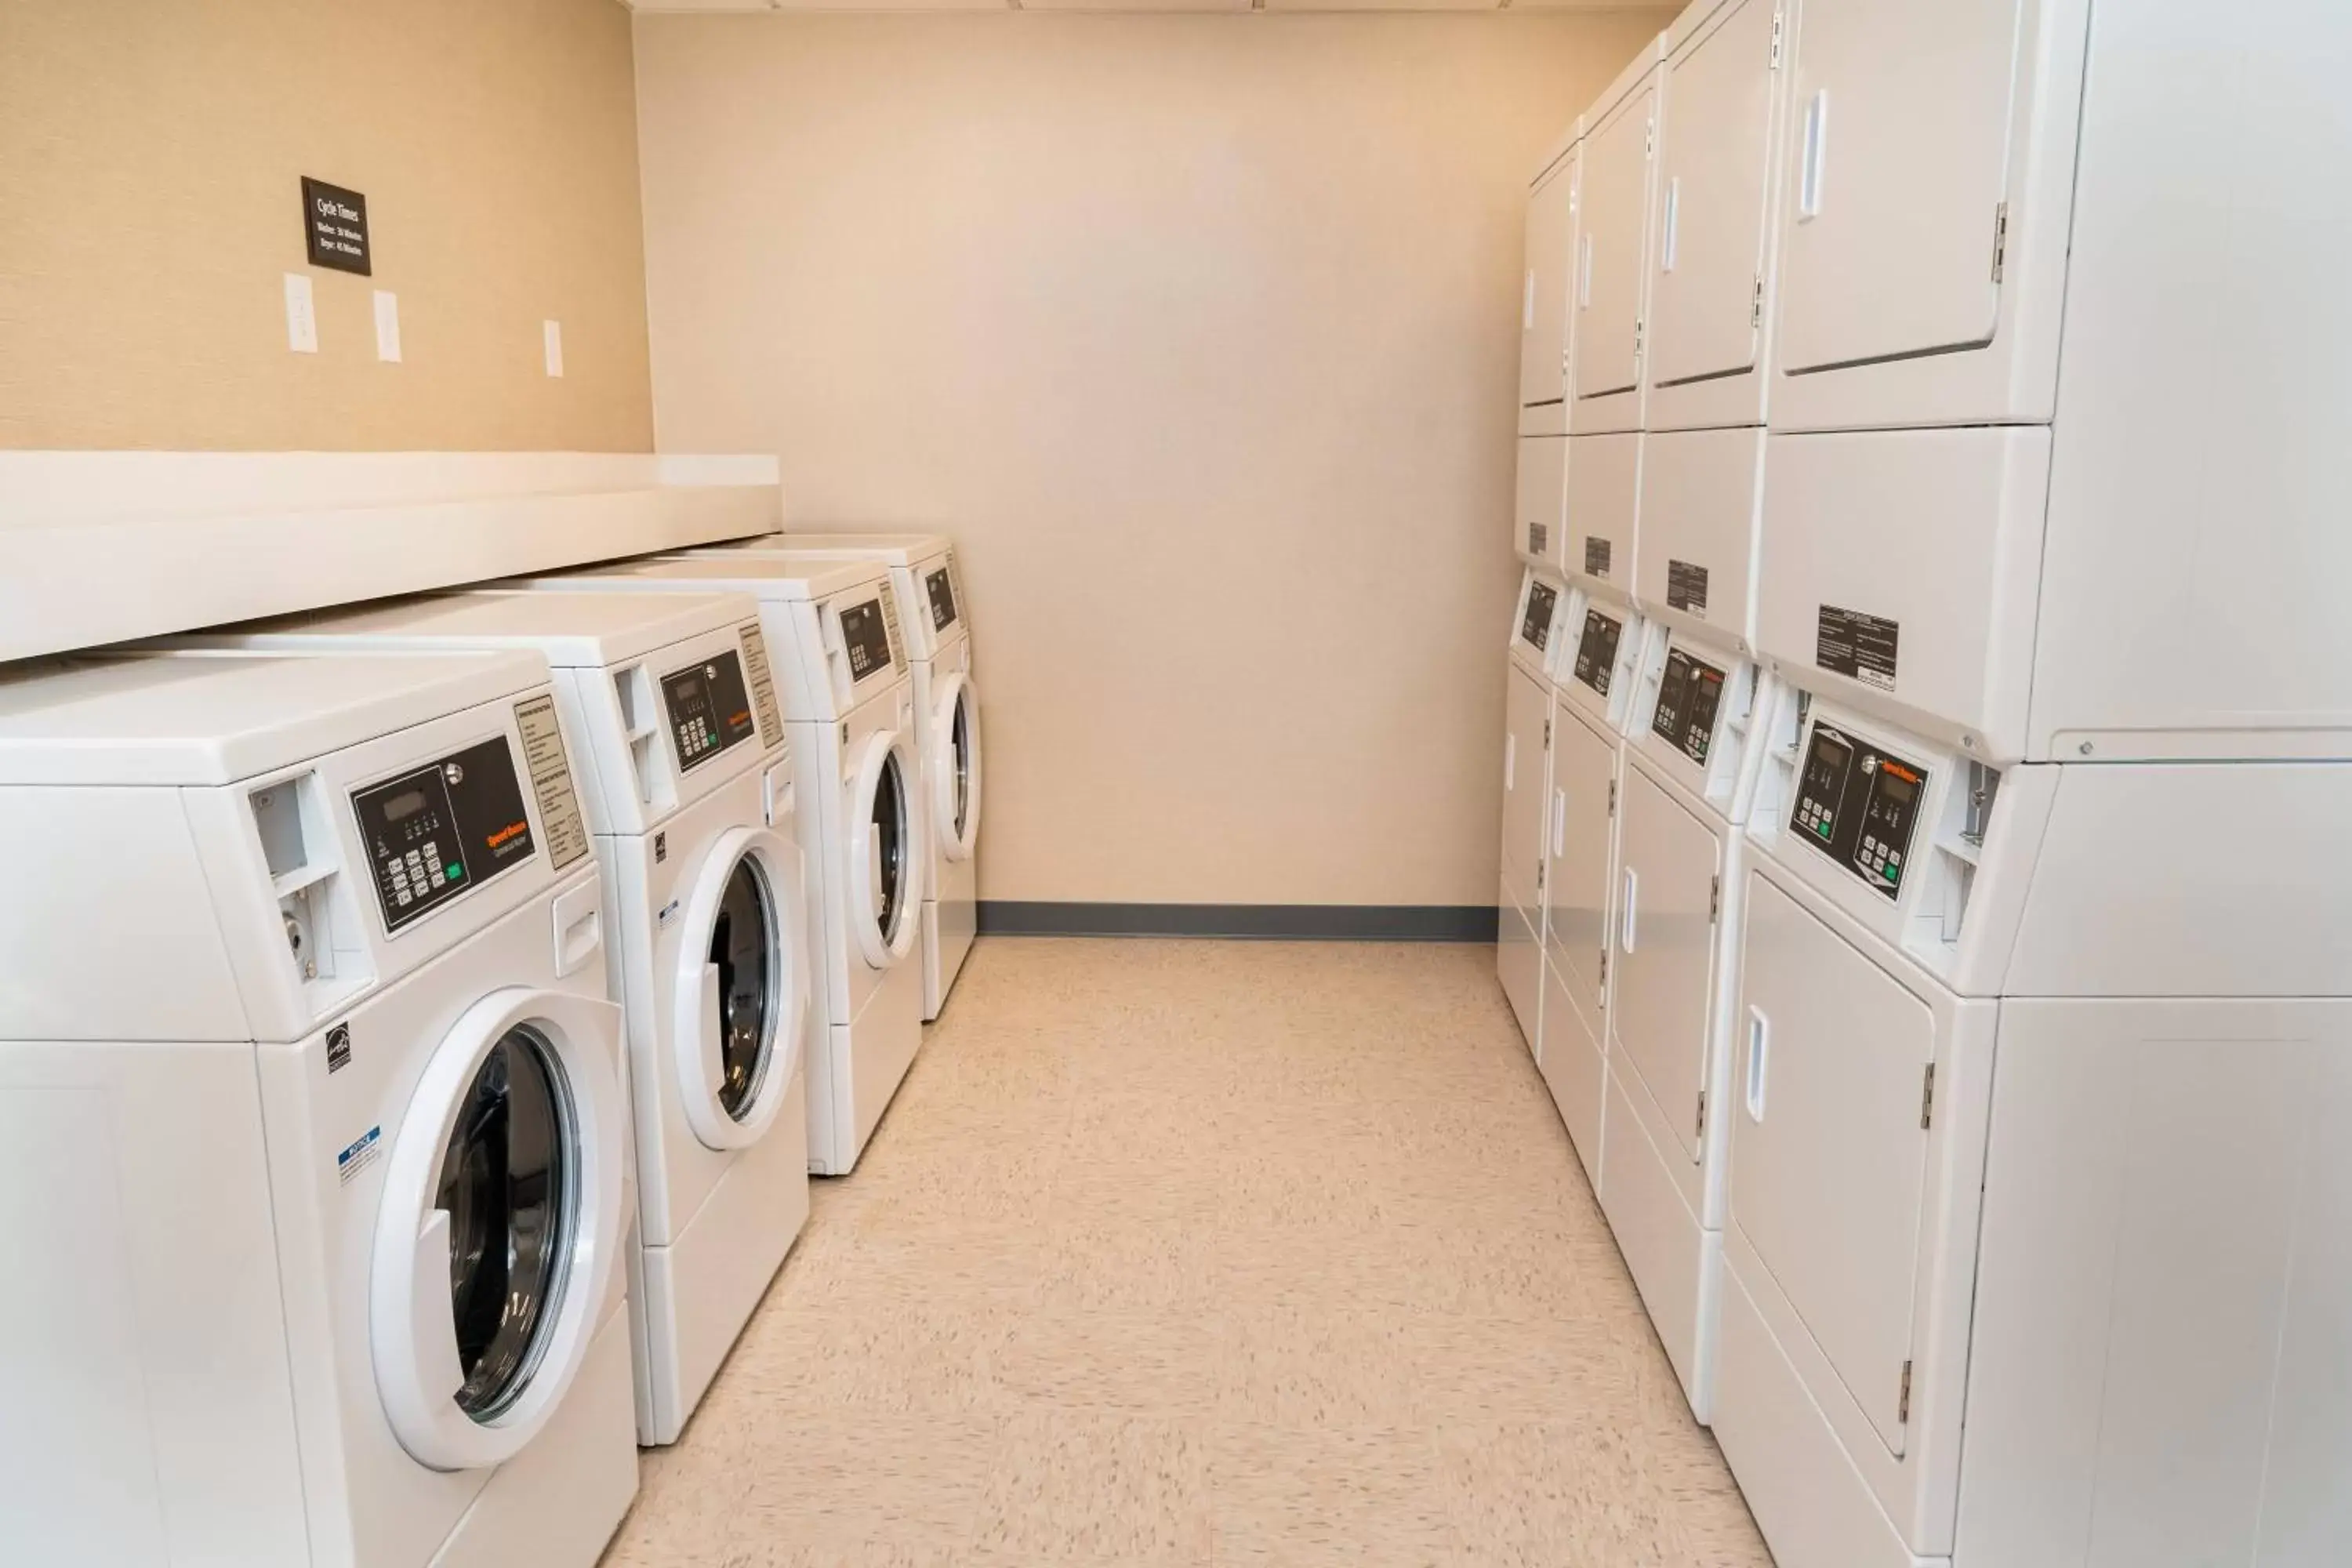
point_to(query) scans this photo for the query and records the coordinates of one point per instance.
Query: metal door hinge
(1604, 969)
(1777, 24)
(1649, 136)
(1713, 900)
(1927, 1099)
(1640, 328)
(1546, 732)
(1612, 797)
(1539, 874)
(2000, 239)
(1756, 303)
(1903, 1400)
(1702, 1115)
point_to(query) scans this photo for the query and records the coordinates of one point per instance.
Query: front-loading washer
(842, 670)
(313, 1147)
(670, 702)
(936, 615)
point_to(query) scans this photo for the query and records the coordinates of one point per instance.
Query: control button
(405, 897)
(438, 878)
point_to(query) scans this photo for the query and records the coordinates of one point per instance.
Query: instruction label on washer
(1686, 587)
(764, 682)
(362, 1151)
(1539, 539)
(550, 781)
(1860, 647)
(890, 624)
(1596, 556)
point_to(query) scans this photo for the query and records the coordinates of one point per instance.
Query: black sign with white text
(334, 226)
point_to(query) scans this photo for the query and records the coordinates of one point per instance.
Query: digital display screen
(441, 828)
(1596, 655)
(1858, 804)
(1536, 631)
(941, 591)
(401, 808)
(708, 708)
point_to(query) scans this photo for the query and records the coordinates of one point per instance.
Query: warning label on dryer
(364, 1152)
(1686, 587)
(763, 682)
(1860, 647)
(1596, 555)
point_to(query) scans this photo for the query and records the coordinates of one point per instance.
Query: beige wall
(1202, 333)
(150, 156)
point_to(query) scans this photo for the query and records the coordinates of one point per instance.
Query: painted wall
(1201, 335)
(151, 157)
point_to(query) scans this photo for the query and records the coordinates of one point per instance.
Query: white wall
(1202, 333)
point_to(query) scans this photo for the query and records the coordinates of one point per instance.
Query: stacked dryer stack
(1536, 627)
(834, 631)
(2034, 1240)
(313, 1141)
(937, 617)
(670, 701)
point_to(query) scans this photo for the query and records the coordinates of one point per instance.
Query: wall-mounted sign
(334, 223)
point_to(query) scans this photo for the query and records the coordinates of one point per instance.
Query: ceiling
(1134, 6)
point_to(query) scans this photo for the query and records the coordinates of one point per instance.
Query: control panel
(1690, 695)
(1535, 629)
(439, 829)
(1596, 654)
(941, 589)
(709, 707)
(1857, 804)
(866, 637)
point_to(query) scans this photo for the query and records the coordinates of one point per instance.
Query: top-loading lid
(573, 630)
(891, 549)
(214, 718)
(762, 576)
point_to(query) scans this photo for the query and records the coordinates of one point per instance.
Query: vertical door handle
(1527, 305)
(1625, 926)
(1808, 175)
(1759, 1046)
(1674, 221)
(1510, 762)
(1559, 820)
(1584, 273)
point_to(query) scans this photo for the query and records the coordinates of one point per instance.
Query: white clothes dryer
(937, 616)
(1537, 623)
(849, 700)
(313, 1147)
(670, 701)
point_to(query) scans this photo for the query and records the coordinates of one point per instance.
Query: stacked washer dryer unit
(1536, 627)
(313, 1143)
(1546, 339)
(1595, 662)
(2034, 1244)
(1698, 734)
(937, 618)
(834, 631)
(671, 705)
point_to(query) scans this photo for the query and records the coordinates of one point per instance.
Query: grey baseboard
(1275, 922)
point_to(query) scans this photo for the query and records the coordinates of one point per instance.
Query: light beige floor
(1194, 1253)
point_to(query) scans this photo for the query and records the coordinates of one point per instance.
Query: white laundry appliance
(313, 1135)
(1546, 342)
(840, 653)
(1536, 623)
(1594, 663)
(935, 615)
(671, 703)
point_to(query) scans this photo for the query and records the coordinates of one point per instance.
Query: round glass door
(744, 937)
(506, 1177)
(955, 766)
(889, 851)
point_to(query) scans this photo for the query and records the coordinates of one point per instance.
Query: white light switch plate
(302, 315)
(553, 333)
(387, 326)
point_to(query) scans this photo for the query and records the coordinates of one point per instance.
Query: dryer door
(955, 767)
(884, 886)
(741, 989)
(502, 1219)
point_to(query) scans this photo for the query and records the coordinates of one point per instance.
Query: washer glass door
(888, 856)
(956, 761)
(744, 938)
(884, 885)
(506, 1177)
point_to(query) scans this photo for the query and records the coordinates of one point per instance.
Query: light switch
(302, 315)
(387, 326)
(552, 332)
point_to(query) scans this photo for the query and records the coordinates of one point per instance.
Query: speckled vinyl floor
(1203, 1253)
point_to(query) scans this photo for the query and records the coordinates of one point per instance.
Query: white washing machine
(848, 696)
(313, 1137)
(670, 702)
(1536, 629)
(1593, 670)
(937, 617)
